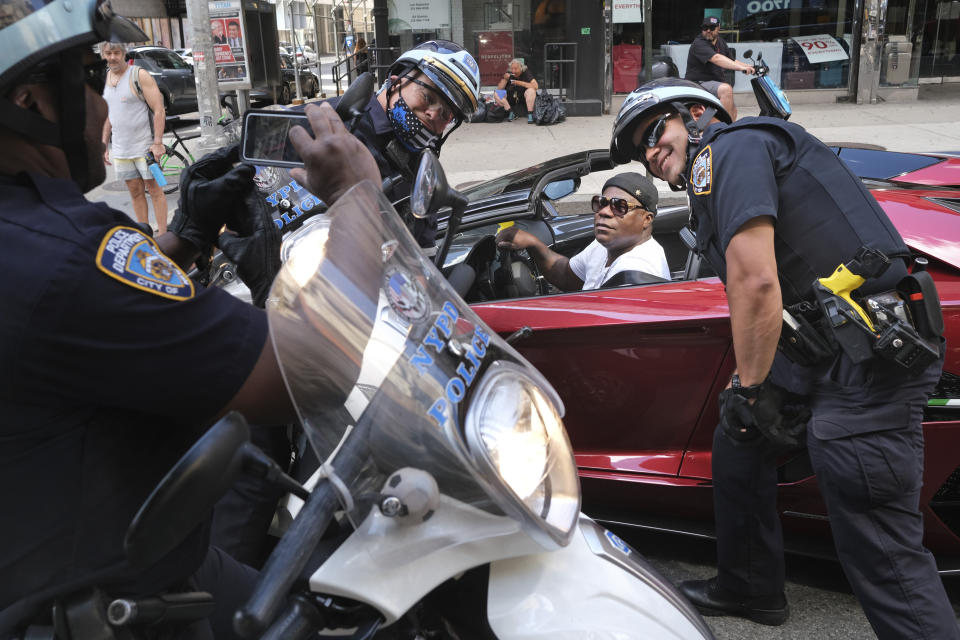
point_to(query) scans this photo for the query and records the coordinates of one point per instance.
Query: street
(822, 607)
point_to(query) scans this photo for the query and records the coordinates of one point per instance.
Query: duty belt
(902, 325)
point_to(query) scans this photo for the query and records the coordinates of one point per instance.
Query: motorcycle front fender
(595, 587)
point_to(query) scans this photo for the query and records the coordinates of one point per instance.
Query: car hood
(928, 219)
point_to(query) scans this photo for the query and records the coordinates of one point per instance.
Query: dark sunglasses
(95, 75)
(711, 28)
(655, 131)
(619, 206)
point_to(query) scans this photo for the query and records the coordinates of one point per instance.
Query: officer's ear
(696, 110)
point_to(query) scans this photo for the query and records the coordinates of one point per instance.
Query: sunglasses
(619, 206)
(434, 99)
(655, 131)
(711, 27)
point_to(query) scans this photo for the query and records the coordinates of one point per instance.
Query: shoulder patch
(701, 175)
(132, 257)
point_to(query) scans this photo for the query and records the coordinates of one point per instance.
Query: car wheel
(284, 94)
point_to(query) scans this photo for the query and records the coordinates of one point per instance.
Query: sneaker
(530, 119)
(712, 600)
(511, 117)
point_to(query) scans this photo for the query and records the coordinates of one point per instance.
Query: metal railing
(559, 60)
(377, 59)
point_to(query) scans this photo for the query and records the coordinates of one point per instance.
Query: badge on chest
(133, 258)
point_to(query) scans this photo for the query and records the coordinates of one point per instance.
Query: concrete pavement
(482, 151)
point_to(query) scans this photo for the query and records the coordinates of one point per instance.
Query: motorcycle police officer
(112, 361)
(774, 209)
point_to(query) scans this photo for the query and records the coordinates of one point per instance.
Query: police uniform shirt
(699, 68)
(111, 365)
(822, 212)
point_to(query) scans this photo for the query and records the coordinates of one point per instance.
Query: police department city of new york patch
(701, 176)
(132, 257)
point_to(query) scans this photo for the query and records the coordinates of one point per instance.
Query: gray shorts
(712, 86)
(132, 168)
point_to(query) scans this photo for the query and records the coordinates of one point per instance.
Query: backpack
(137, 90)
(496, 113)
(547, 109)
(480, 115)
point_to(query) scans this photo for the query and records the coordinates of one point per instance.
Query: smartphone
(265, 139)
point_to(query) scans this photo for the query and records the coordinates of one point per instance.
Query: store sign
(495, 51)
(627, 11)
(763, 6)
(418, 15)
(821, 48)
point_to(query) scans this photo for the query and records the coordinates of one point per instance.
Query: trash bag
(496, 113)
(480, 115)
(547, 109)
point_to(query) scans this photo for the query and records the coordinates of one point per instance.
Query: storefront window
(806, 43)
(414, 21)
(940, 47)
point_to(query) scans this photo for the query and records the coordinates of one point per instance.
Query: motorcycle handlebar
(288, 559)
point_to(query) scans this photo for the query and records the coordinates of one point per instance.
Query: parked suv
(173, 75)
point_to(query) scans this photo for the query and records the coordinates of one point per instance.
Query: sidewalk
(482, 151)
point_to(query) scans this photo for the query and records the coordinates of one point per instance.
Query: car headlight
(514, 431)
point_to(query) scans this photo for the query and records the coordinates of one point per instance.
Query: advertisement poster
(495, 49)
(418, 15)
(627, 11)
(821, 48)
(229, 44)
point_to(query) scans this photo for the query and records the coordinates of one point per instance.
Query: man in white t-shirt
(623, 230)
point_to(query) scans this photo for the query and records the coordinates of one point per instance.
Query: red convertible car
(639, 367)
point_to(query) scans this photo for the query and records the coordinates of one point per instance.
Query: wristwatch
(750, 392)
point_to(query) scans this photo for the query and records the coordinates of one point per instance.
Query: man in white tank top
(129, 126)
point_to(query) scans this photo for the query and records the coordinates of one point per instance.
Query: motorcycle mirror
(356, 97)
(748, 53)
(429, 183)
(188, 492)
(759, 56)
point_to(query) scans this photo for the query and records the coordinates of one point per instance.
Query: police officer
(773, 209)
(112, 362)
(431, 90)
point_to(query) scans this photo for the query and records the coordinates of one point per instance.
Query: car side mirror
(559, 189)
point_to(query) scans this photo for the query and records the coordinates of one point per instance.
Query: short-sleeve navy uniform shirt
(109, 371)
(822, 212)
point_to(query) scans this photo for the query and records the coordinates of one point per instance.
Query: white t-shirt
(129, 119)
(589, 264)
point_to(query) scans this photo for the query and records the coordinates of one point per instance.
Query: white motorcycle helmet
(39, 43)
(450, 67)
(661, 96)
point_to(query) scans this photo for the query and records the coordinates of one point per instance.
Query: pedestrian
(707, 60)
(520, 91)
(774, 209)
(112, 362)
(362, 55)
(133, 129)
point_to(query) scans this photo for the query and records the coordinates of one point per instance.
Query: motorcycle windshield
(390, 369)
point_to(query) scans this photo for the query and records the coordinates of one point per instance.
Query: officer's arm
(263, 398)
(753, 293)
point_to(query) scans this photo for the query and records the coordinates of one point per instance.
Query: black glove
(253, 244)
(777, 415)
(212, 190)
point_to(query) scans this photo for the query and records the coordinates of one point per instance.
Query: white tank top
(129, 119)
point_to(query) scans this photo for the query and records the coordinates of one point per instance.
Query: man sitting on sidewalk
(623, 227)
(521, 91)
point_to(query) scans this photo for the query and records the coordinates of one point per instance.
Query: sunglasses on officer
(619, 206)
(655, 131)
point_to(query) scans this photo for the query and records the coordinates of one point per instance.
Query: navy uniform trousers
(866, 446)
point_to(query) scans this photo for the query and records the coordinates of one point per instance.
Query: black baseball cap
(637, 185)
(710, 21)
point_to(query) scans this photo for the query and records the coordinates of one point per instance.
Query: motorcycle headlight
(514, 431)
